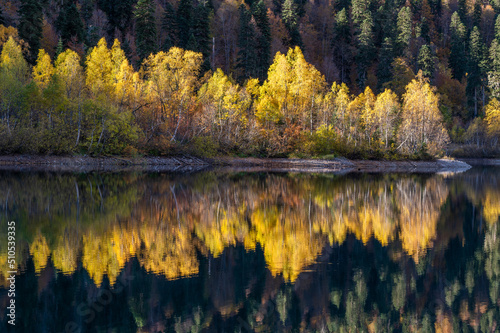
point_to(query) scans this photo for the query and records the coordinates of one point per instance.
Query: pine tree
(386, 57)
(476, 67)
(247, 61)
(169, 25)
(69, 24)
(291, 22)
(341, 44)
(404, 30)
(184, 21)
(458, 58)
(30, 26)
(365, 49)
(426, 61)
(145, 28)
(264, 38)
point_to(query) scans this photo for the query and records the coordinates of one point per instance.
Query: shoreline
(188, 163)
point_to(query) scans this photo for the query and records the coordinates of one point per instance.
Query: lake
(222, 251)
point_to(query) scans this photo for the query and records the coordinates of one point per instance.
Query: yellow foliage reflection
(292, 218)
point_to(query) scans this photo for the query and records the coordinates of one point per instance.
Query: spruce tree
(365, 49)
(290, 19)
(184, 21)
(458, 57)
(497, 28)
(145, 28)
(494, 73)
(386, 57)
(200, 30)
(169, 25)
(476, 67)
(69, 24)
(30, 26)
(360, 11)
(476, 17)
(341, 44)
(426, 61)
(404, 30)
(247, 61)
(264, 38)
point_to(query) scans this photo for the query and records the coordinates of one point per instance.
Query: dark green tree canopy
(145, 28)
(30, 26)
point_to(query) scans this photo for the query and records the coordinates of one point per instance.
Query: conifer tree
(184, 12)
(386, 57)
(145, 28)
(476, 67)
(497, 28)
(264, 38)
(426, 61)
(247, 56)
(458, 58)
(291, 21)
(30, 26)
(200, 30)
(169, 25)
(341, 44)
(404, 29)
(365, 49)
(360, 11)
(118, 12)
(69, 24)
(494, 56)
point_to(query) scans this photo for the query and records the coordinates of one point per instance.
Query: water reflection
(264, 252)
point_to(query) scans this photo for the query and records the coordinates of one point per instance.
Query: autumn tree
(171, 81)
(421, 128)
(225, 109)
(492, 120)
(386, 112)
(43, 70)
(13, 77)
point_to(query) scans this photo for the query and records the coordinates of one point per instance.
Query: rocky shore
(187, 163)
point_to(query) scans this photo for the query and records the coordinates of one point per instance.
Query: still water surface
(244, 252)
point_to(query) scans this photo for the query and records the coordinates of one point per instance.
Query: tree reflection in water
(269, 252)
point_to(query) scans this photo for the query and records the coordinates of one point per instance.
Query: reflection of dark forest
(264, 252)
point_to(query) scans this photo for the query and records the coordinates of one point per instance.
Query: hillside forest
(292, 78)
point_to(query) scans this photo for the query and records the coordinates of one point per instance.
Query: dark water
(238, 252)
